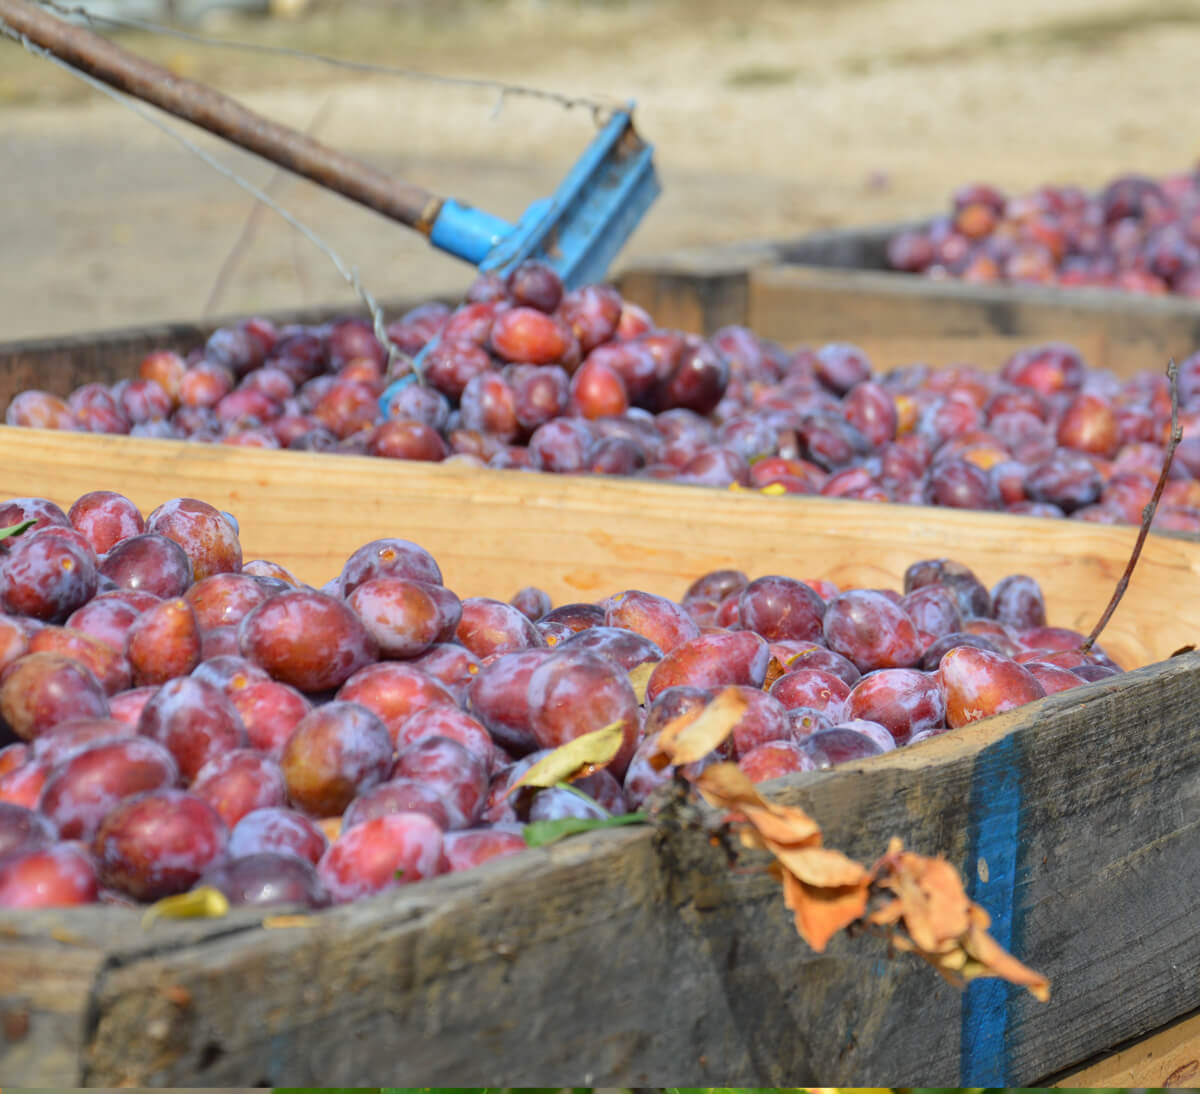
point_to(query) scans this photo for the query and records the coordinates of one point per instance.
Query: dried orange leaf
(995, 960)
(821, 911)
(887, 915)
(727, 786)
(639, 677)
(591, 750)
(774, 671)
(784, 825)
(820, 866)
(331, 826)
(932, 895)
(692, 736)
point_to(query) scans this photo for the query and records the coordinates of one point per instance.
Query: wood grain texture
(638, 958)
(803, 303)
(1168, 1058)
(59, 365)
(585, 537)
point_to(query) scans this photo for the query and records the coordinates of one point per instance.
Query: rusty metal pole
(209, 109)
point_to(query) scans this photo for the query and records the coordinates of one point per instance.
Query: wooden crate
(634, 959)
(776, 289)
(834, 286)
(61, 364)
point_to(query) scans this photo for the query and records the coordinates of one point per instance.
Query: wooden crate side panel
(45, 992)
(844, 248)
(601, 961)
(793, 304)
(986, 351)
(623, 960)
(583, 538)
(1167, 1058)
(61, 364)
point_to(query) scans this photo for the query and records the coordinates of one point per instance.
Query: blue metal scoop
(578, 231)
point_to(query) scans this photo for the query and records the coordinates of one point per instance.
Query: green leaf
(580, 794)
(540, 833)
(16, 529)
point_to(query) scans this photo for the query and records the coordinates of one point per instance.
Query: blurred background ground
(771, 118)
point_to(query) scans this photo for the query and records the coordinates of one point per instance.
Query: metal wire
(348, 273)
(598, 108)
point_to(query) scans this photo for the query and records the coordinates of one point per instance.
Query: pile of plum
(526, 376)
(178, 716)
(1137, 234)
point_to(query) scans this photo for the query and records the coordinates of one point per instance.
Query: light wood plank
(808, 303)
(582, 538)
(1167, 1058)
(985, 351)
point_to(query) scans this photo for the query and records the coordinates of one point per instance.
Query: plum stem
(1147, 513)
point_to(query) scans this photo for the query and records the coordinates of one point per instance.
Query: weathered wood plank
(59, 365)
(1168, 1058)
(985, 351)
(636, 959)
(802, 303)
(585, 537)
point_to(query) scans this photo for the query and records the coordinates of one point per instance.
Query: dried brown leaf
(888, 914)
(784, 825)
(693, 735)
(993, 959)
(932, 896)
(774, 671)
(822, 911)
(727, 786)
(820, 867)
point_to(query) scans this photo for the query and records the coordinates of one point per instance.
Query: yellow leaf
(773, 489)
(639, 677)
(693, 735)
(203, 903)
(276, 922)
(331, 826)
(591, 750)
(822, 911)
(820, 866)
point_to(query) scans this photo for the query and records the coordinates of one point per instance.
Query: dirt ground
(770, 118)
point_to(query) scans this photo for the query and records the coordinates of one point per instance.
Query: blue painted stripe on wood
(995, 835)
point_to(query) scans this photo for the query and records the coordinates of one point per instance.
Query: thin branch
(250, 227)
(349, 273)
(1148, 512)
(568, 102)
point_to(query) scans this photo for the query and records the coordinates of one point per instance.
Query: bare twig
(348, 273)
(250, 227)
(1148, 512)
